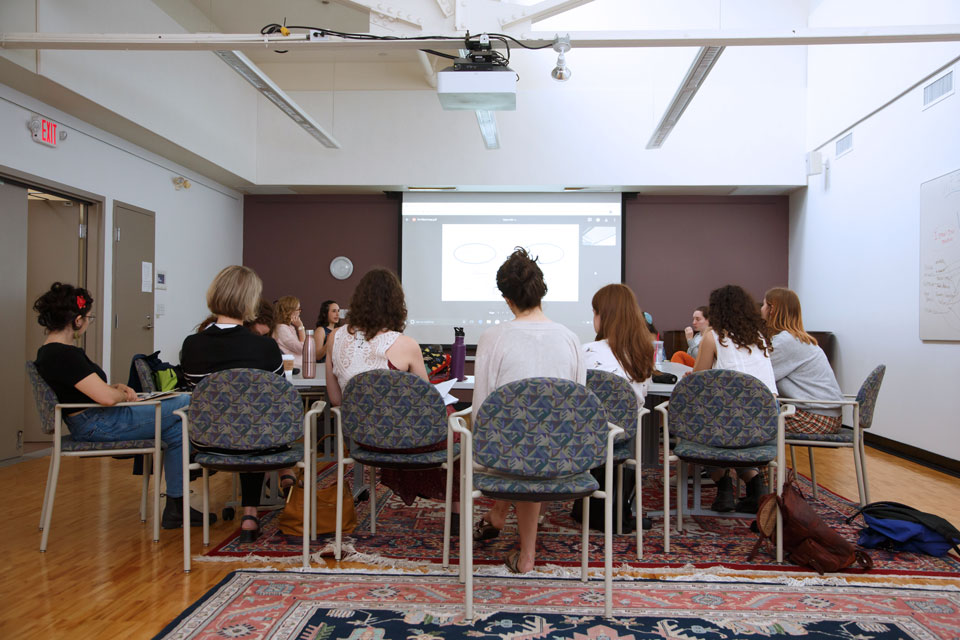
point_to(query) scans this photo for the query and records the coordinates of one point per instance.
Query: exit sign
(44, 131)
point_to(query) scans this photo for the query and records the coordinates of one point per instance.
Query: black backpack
(162, 371)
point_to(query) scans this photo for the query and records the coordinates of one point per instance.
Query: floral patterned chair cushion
(724, 409)
(620, 402)
(541, 428)
(389, 409)
(245, 410)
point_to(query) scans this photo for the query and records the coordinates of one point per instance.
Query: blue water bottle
(458, 354)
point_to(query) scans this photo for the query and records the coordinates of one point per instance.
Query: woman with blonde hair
(800, 366)
(289, 332)
(234, 298)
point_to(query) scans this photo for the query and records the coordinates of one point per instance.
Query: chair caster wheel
(363, 496)
(228, 513)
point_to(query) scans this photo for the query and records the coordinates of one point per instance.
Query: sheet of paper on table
(444, 389)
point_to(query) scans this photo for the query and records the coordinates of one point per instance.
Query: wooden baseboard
(933, 461)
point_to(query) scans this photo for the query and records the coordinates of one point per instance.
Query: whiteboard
(940, 258)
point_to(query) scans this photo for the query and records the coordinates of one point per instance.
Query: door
(54, 254)
(13, 298)
(133, 245)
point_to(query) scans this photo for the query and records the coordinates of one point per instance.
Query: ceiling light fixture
(252, 74)
(488, 129)
(696, 74)
(561, 72)
(181, 183)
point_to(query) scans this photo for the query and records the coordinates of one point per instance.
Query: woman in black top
(233, 298)
(64, 311)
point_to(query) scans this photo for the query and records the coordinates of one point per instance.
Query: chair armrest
(839, 403)
(93, 405)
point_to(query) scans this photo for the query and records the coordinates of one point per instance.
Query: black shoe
(249, 535)
(454, 524)
(751, 501)
(647, 523)
(173, 515)
(724, 501)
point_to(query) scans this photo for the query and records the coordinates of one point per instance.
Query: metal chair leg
(813, 472)
(584, 538)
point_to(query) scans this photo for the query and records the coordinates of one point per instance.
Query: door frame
(113, 284)
(95, 205)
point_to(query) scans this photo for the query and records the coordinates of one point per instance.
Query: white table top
(321, 381)
(676, 369)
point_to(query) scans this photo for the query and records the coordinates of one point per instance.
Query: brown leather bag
(807, 539)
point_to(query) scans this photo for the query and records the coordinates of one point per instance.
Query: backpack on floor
(807, 540)
(895, 526)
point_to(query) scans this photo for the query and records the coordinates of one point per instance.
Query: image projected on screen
(472, 253)
(451, 245)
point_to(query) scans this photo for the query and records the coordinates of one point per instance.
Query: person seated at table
(623, 344)
(64, 312)
(693, 334)
(373, 339)
(528, 346)
(289, 332)
(234, 297)
(327, 320)
(737, 340)
(800, 366)
(265, 322)
(623, 347)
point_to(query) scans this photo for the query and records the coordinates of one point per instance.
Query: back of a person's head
(378, 303)
(520, 280)
(624, 327)
(734, 313)
(783, 314)
(286, 307)
(235, 293)
(265, 317)
(61, 304)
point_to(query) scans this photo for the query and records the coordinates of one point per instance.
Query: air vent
(938, 89)
(845, 144)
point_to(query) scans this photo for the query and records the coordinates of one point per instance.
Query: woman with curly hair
(373, 339)
(737, 340)
(799, 365)
(289, 332)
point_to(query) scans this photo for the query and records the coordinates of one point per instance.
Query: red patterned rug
(705, 541)
(324, 606)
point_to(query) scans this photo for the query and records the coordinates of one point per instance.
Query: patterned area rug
(324, 606)
(705, 541)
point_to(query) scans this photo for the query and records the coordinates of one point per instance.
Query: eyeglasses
(90, 317)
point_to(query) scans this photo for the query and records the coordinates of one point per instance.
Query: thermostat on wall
(341, 268)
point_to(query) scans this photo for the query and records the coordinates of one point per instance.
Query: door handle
(149, 324)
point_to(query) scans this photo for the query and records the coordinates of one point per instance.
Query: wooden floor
(102, 576)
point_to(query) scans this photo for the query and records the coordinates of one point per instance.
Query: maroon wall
(290, 240)
(679, 248)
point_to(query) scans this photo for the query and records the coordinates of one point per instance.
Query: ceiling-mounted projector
(481, 81)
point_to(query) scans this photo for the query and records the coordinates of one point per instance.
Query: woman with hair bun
(65, 312)
(530, 345)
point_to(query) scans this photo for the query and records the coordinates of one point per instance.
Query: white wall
(192, 99)
(198, 231)
(854, 261)
(847, 82)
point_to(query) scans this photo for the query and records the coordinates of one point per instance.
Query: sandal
(286, 487)
(249, 535)
(513, 561)
(485, 531)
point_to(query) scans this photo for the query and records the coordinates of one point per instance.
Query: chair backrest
(245, 410)
(867, 396)
(618, 398)
(391, 409)
(541, 428)
(45, 398)
(723, 408)
(145, 375)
